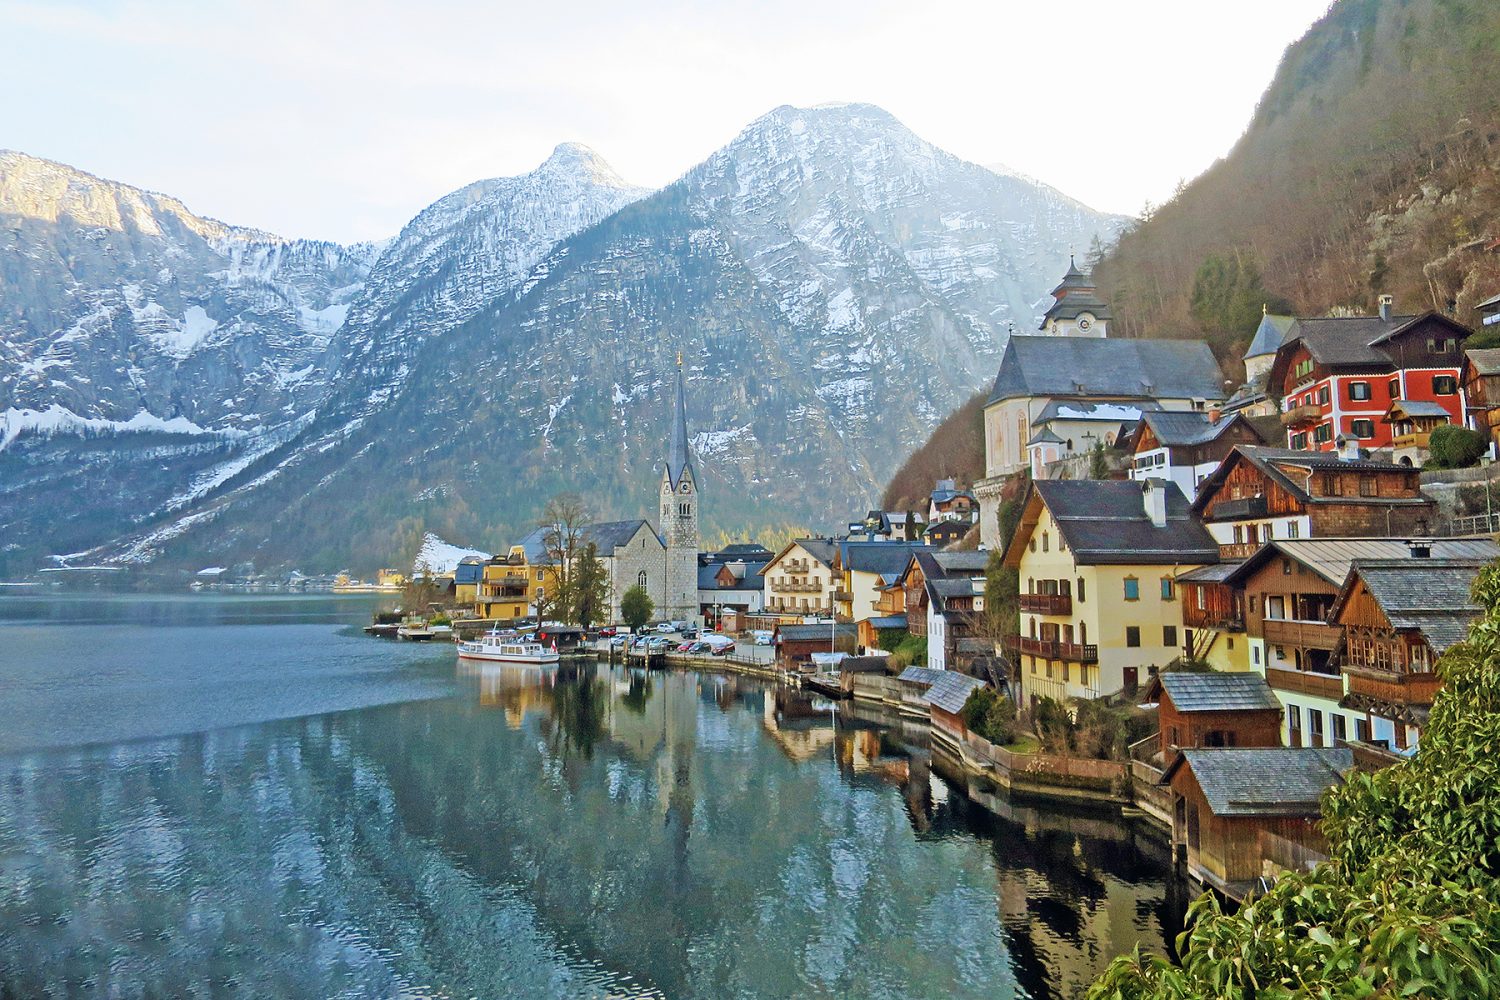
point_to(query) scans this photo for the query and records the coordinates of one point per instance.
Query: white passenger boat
(499, 648)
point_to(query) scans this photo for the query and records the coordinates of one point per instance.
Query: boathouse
(1238, 814)
(1214, 710)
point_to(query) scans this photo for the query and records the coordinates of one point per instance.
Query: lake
(215, 795)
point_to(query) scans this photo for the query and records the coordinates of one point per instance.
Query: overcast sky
(342, 119)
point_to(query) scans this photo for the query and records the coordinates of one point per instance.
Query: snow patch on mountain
(55, 420)
(438, 556)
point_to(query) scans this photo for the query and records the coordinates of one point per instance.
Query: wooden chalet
(1397, 617)
(1260, 494)
(1481, 378)
(1241, 814)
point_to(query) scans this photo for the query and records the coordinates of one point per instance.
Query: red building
(1339, 376)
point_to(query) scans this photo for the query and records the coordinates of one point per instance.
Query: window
(1340, 728)
(1292, 529)
(1133, 636)
(1132, 589)
(539, 575)
(1265, 533)
(1080, 590)
(1323, 396)
(1045, 540)
(1169, 636)
(1394, 388)
(1444, 385)
(1359, 392)
(1167, 591)
(1367, 486)
(1286, 570)
(1323, 433)
(1294, 719)
(1362, 429)
(1032, 544)
(1299, 442)
(1253, 602)
(1362, 730)
(1276, 607)
(1229, 642)
(1255, 655)
(640, 579)
(1315, 727)
(1083, 633)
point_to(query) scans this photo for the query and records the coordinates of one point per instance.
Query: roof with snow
(1083, 367)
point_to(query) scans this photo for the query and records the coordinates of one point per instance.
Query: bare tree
(565, 520)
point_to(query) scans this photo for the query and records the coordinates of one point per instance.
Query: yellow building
(1099, 563)
(863, 571)
(510, 587)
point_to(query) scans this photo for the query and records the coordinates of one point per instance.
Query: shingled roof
(1269, 781)
(1268, 461)
(1105, 521)
(950, 691)
(606, 535)
(1269, 335)
(1430, 595)
(1331, 558)
(1106, 368)
(885, 559)
(1218, 692)
(1185, 428)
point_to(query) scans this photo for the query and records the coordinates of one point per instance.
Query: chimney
(1214, 413)
(1385, 307)
(1348, 449)
(1154, 499)
(1419, 548)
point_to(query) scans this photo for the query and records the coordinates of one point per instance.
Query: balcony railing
(1396, 686)
(1052, 649)
(1209, 618)
(1416, 439)
(1235, 551)
(843, 595)
(1308, 635)
(1047, 604)
(1306, 682)
(1308, 413)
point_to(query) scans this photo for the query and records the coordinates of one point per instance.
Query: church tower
(679, 517)
(1076, 309)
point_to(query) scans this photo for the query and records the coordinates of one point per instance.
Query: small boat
(500, 648)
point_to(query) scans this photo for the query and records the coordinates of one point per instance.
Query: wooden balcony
(1051, 649)
(1416, 439)
(1236, 551)
(1241, 508)
(1395, 686)
(1047, 604)
(1306, 682)
(1299, 415)
(1213, 618)
(1308, 635)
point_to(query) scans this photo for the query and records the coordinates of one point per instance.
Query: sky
(341, 120)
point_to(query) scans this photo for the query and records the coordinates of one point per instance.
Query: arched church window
(640, 579)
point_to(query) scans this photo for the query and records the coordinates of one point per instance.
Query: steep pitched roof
(679, 454)
(1107, 368)
(1269, 335)
(814, 633)
(1265, 781)
(1430, 595)
(1486, 360)
(1105, 522)
(1217, 692)
(1347, 340)
(606, 535)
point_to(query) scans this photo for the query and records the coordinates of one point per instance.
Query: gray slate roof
(1421, 408)
(882, 558)
(962, 562)
(888, 621)
(1267, 461)
(1216, 573)
(924, 676)
(1431, 595)
(1268, 781)
(1348, 340)
(821, 549)
(1269, 335)
(864, 664)
(1182, 429)
(1331, 558)
(814, 633)
(1216, 692)
(607, 535)
(1105, 521)
(1102, 367)
(951, 690)
(1486, 360)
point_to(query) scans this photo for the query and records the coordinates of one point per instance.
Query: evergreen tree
(636, 607)
(1228, 296)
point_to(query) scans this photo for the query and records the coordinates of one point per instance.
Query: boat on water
(499, 648)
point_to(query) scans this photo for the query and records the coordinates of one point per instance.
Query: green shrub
(1455, 447)
(990, 715)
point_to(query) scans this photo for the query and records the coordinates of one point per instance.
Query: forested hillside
(1372, 165)
(954, 450)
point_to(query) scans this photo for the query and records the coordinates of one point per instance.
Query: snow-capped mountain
(183, 391)
(835, 285)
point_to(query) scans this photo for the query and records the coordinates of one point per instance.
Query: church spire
(679, 459)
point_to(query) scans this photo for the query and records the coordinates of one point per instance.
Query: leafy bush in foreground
(1407, 905)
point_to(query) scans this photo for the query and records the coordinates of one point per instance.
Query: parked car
(690, 633)
(639, 642)
(762, 637)
(658, 643)
(619, 641)
(666, 627)
(723, 649)
(698, 647)
(607, 632)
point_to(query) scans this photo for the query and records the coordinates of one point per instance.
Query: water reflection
(581, 832)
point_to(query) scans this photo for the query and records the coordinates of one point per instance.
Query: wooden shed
(1214, 710)
(1235, 811)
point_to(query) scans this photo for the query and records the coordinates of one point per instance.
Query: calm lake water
(205, 796)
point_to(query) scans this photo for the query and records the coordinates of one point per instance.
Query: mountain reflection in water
(588, 832)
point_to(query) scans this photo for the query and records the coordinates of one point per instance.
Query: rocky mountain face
(833, 283)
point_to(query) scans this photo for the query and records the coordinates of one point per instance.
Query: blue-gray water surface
(211, 796)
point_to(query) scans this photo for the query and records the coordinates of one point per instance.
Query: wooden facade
(1260, 727)
(1227, 852)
